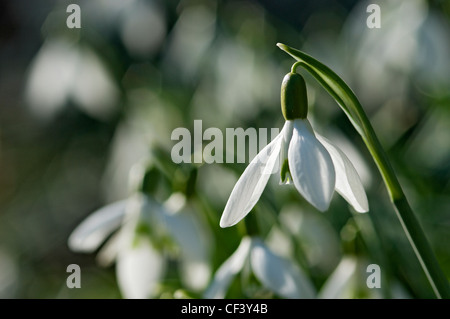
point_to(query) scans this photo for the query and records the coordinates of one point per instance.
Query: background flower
(279, 275)
(148, 234)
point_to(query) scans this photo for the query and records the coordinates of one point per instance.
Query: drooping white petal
(278, 274)
(107, 255)
(229, 269)
(88, 236)
(251, 184)
(93, 88)
(175, 203)
(121, 239)
(311, 166)
(348, 183)
(338, 139)
(51, 77)
(193, 240)
(341, 282)
(139, 269)
(195, 272)
(175, 219)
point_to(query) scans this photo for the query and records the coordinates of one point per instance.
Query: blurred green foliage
(80, 107)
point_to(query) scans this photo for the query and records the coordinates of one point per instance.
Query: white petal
(278, 274)
(88, 236)
(139, 269)
(341, 282)
(195, 272)
(175, 203)
(251, 184)
(229, 269)
(51, 76)
(353, 154)
(93, 88)
(311, 166)
(176, 219)
(108, 253)
(194, 242)
(348, 183)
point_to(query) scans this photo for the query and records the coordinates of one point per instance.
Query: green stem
(422, 248)
(347, 100)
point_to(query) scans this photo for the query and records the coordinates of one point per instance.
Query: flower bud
(294, 102)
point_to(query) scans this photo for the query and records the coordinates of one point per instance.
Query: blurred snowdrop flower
(341, 283)
(190, 38)
(129, 146)
(386, 56)
(277, 274)
(349, 280)
(310, 161)
(143, 28)
(62, 71)
(312, 232)
(149, 233)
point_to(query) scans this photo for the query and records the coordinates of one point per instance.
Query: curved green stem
(295, 66)
(347, 100)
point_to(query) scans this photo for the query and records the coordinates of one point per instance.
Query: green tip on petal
(284, 170)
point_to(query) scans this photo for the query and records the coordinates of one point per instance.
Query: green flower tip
(294, 102)
(284, 171)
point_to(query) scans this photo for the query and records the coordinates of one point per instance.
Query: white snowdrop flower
(309, 161)
(63, 71)
(275, 273)
(148, 233)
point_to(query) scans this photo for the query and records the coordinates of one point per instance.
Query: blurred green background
(80, 107)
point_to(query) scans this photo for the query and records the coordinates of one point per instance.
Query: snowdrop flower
(148, 233)
(275, 273)
(63, 71)
(309, 161)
